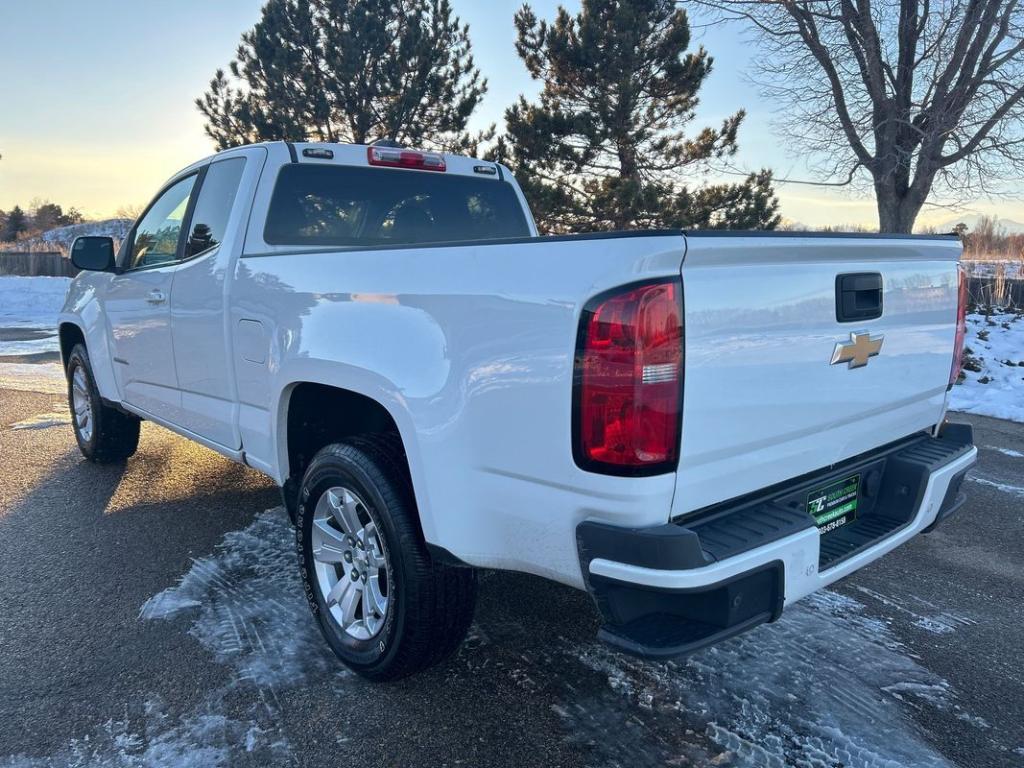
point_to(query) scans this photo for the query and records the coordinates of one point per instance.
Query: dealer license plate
(834, 505)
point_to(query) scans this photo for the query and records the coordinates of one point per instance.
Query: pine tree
(603, 147)
(349, 70)
(17, 223)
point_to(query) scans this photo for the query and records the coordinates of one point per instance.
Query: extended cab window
(213, 207)
(351, 206)
(156, 236)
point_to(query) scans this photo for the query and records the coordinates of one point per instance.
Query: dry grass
(33, 246)
(989, 241)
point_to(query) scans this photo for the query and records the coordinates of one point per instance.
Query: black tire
(290, 501)
(114, 435)
(430, 604)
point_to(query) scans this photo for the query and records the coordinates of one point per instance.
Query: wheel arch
(69, 334)
(312, 414)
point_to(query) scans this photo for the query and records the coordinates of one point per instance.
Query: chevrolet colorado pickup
(698, 428)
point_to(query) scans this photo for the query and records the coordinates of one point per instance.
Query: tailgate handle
(858, 297)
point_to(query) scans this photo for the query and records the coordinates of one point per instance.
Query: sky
(96, 101)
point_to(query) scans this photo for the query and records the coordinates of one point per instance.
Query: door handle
(858, 297)
(156, 297)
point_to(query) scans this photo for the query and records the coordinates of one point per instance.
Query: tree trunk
(622, 217)
(896, 213)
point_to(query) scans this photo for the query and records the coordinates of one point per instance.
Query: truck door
(202, 355)
(138, 305)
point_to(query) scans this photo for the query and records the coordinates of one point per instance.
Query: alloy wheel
(82, 403)
(351, 563)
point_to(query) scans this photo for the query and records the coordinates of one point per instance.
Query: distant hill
(63, 236)
(971, 220)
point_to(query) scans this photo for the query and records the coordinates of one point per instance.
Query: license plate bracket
(835, 505)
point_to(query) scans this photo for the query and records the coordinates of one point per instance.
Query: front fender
(83, 309)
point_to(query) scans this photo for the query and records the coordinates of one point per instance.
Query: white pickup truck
(697, 428)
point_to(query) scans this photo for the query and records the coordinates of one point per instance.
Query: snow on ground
(978, 268)
(148, 737)
(31, 302)
(65, 236)
(58, 416)
(250, 610)
(28, 314)
(1013, 490)
(993, 382)
(247, 609)
(33, 377)
(827, 685)
(1006, 451)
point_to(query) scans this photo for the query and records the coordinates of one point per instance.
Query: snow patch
(28, 341)
(151, 738)
(997, 343)
(1013, 490)
(65, 236)
(936, 621)
(58, 417)
(978, 268)
(1006, 451)
(826, 685)
(247, 608)
(47, 378)
(250, 610)
(31, 302)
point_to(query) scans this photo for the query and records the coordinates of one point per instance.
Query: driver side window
(157, 234)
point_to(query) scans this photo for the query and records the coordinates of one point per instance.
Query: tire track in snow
(941, 623)
(59, 415)
(147, 737)
(1013, 490)
(825, 686)
(248, 610)
(242, 619)
(1006, 451)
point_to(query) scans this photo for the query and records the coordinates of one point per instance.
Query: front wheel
(104, 434)
(386, 609)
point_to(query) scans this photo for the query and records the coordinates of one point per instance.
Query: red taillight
(961, 326)
(405, 158)
(629, 380)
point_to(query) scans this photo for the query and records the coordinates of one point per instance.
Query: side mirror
(93, 252)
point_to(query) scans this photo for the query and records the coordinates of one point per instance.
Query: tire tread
(115, 434)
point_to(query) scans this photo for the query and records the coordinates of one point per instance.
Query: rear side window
(349, 206)
(216, 197)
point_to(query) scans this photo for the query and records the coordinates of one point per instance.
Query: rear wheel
(385, 608)
(104, 434)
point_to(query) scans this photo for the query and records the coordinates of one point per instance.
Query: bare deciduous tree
(914, 93)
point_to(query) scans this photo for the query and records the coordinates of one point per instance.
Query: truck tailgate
(762, 401)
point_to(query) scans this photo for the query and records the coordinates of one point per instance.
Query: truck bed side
(471, 350)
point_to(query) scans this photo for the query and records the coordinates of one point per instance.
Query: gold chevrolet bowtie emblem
(858, 350)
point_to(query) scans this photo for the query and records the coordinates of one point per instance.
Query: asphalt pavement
(151, 614)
